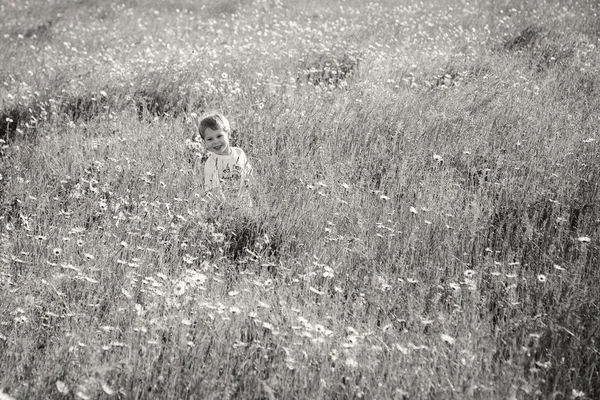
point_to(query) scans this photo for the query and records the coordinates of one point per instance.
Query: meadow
(427, 213)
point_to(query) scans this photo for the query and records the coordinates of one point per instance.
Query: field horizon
(426, 215)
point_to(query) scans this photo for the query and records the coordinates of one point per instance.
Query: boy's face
(217, 141)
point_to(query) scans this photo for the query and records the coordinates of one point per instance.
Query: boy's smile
(217, 141)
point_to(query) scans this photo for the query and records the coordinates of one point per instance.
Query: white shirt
(231, 173)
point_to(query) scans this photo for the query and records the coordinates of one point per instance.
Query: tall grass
(427, 213)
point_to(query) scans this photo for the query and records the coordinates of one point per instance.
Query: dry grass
(427, 210)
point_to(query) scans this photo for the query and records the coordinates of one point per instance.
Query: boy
(227, 170)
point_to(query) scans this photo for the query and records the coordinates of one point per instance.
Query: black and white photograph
(299, 199)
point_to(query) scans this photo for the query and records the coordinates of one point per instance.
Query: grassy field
(427, 193)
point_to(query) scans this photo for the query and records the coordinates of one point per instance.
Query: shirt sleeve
(211, 174)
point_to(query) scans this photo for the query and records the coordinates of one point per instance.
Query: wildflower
(57, 251)
(544, 365)
(195, 277)
(470, 283)
(289, 363)
(312, 289)
(82, 395)
(77, 229)
(267, 326)
(351, 362)
(108, 328)
(107, 389)
(79, 242)
(447, 338)
(558, 267)
(402, 349)
(469, 273)
(218, 237)
(413, 210)
(584, 239)
(62, 387)
(351, 331)
(263, 304)
(179, 288)
(188, 259)
(541, 278)
(40, 238)
(419, 347)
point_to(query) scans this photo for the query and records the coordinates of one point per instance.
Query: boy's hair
(213, 121)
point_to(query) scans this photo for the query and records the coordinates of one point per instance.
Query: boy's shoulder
(237, 151)
(210, 156)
